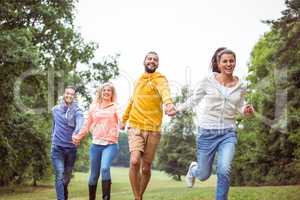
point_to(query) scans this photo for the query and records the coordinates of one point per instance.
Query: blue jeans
(101, 157)
(63, 160)
(210, 142)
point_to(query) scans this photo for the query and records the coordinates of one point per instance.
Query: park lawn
(161, 187)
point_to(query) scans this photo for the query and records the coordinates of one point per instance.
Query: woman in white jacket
(223, 96)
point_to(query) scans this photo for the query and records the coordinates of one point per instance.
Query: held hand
(248, 110)
(172, 113)
(170, 110)
(122, 127)
(75, 140)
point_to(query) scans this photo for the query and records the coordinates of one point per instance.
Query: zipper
(225, 98)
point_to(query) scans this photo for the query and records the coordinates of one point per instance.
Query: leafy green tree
(40, 52)
(177, 147)
(270, 143)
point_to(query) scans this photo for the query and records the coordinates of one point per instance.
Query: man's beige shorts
(143, 141)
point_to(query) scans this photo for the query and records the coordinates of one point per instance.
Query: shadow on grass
(15, 189)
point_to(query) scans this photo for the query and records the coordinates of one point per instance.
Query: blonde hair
(99, 91)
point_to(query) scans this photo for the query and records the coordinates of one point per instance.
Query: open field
(161, 187)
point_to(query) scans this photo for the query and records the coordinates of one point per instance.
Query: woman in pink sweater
(102, 122)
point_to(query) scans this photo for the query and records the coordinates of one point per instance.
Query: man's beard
(68, 100)
(150, 70)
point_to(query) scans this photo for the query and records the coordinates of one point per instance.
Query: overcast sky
(184, 34)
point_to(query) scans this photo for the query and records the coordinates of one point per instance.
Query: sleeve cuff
(168, 101)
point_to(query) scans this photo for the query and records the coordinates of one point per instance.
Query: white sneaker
(189, 179)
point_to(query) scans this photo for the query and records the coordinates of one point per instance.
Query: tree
(39, 54)
(177, 147)
(270, 142)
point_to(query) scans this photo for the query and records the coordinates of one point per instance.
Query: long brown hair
(217, 56)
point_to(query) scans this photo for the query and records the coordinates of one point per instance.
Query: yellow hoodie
(144, 110)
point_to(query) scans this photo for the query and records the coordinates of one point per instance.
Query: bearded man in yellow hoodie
(144, 115)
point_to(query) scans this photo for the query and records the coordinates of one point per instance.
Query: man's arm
(164, 91)
(79, 121)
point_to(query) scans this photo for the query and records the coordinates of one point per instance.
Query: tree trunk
(178, 177)
(34, 183)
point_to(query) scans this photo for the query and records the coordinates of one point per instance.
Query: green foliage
(23, 149)
(82, 162)
(123, 156)
(177, 147)
(40, 52)
(268, 151)
(99, 72)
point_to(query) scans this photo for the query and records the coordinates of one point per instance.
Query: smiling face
(151, 62)
(107, 93)
(226, 64)
(69, 95)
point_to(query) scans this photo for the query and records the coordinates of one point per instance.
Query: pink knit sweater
(102, 123)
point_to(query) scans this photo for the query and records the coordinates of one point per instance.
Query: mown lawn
(161, 187)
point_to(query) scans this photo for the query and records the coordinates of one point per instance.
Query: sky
(185, 34)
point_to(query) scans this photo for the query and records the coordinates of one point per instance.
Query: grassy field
(161, 187)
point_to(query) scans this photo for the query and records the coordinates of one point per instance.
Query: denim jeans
(63, 160)
(210, 142)
(101, 157)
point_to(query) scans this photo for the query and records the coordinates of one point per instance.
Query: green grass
(161, 187)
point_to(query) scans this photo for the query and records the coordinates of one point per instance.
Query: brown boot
(66, 193)
(106, 189)
(92, 192)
